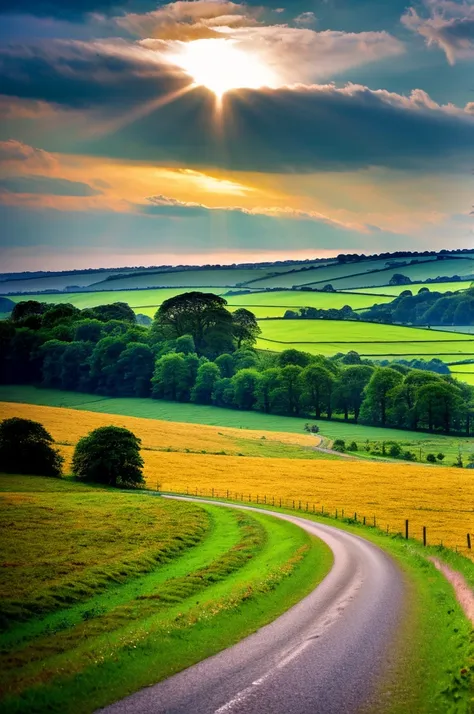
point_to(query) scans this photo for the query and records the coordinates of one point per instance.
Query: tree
(28, 308)
(377, 395)
(267, 389)
(440, 405)
(109, 455)
(51, 353)
(287, 396)
(318, 384)
(64, 312)
(245, 327)
(207, 377)
(225, 363)
(349, 389)
(104, 359)
(295, 357)
(245, 385)
(223, 394)
(201, 315)
(75, 366)
(171, 378)
(88, 330)
(114, 311)
(135, 369)
(26, 448)
(185, 345)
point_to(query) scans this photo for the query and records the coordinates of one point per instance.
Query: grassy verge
(245, 571)
(430, 669)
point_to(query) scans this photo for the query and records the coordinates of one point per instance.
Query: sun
(221, 66)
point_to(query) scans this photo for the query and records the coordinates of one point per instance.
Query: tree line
(197, 351)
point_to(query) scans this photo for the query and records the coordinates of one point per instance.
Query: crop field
(390, 491)
(106, 592)
(328, 337)
(465, 372)
(218, 277)
(243, 426)
(395, 290)
(67, 427)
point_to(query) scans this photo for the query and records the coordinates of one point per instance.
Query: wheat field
(440, 498)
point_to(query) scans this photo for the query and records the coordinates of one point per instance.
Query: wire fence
(343, 515)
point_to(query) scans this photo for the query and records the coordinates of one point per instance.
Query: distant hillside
(426, 308)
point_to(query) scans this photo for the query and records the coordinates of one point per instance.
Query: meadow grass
(328, 337)
(247, 570)
(395, 290)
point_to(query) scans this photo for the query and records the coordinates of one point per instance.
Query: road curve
(323, 656)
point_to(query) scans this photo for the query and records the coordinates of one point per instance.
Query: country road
(323, 656)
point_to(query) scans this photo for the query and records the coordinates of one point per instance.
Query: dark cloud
(449, 25)
(61, 8)
(44, 185)
(302, 128)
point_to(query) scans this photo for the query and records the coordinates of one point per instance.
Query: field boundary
(302, 506)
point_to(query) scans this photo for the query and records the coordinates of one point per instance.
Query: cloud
(164, 205)
(305, 18)
(44, 185)
(13, 152)
(448, 25)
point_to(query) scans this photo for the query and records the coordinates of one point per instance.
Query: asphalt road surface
(323, 656)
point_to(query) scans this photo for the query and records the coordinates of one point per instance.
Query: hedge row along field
(97, 629)
(440, 498)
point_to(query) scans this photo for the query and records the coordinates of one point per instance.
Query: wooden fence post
(469, 541)
(424, 536)
(406, 529)
(364, 520)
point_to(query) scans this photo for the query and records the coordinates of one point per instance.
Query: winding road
(323, 656)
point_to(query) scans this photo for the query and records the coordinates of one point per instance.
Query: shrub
(395, 451)
(440, 456)
(109, 455)
(339, 445)
(431, 458)
(353, 446)
(25, 448)
(311, 428)
(409, 456)
(459, 462)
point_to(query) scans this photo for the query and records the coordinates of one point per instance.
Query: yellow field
(67, 426)
(440, 498)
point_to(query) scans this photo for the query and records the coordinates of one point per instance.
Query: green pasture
(328, 337)
(262, 304)
(216, 416)
(232, 573)
(464, 372)
(417, 273)
(395, 290)
(218, 277)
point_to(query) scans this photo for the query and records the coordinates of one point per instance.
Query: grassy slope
(248, 570)
(328, 337)
(395, 290)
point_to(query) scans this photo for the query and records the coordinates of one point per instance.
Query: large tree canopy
(26, 448)
(202, 315)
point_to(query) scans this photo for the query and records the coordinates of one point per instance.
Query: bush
(395, 451)
(25, 448)
(409, 456)
(431, 458)
(311, 428)
(339, 445)
(353, 446)
(440, 456)
(109, 455)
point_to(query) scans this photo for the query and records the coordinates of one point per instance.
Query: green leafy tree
(225, 363)
(51, 353)
(245, 358)
(135, 369)
(440, 406)
(377, 400)
(202, 315)
(223, 394)
(109, 455)
(75, 366)
(287, 396)
(245, 384)
(207, 377)
(349, 389)
(293, 357)
(28, 308)
(64, 312)
(245, 327)
(185, 345)
(26, 448)
(318, 385)
(115, 311)
(88, 330)
(104, 359)
(171, 378)
(267, 389)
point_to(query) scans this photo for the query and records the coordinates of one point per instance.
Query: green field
(105, 592)
(262, 304)
(218, 277)
(465, 372)
(395, 290)
(216, 416)
(327, 337)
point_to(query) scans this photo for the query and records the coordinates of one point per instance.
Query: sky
(212, 131)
